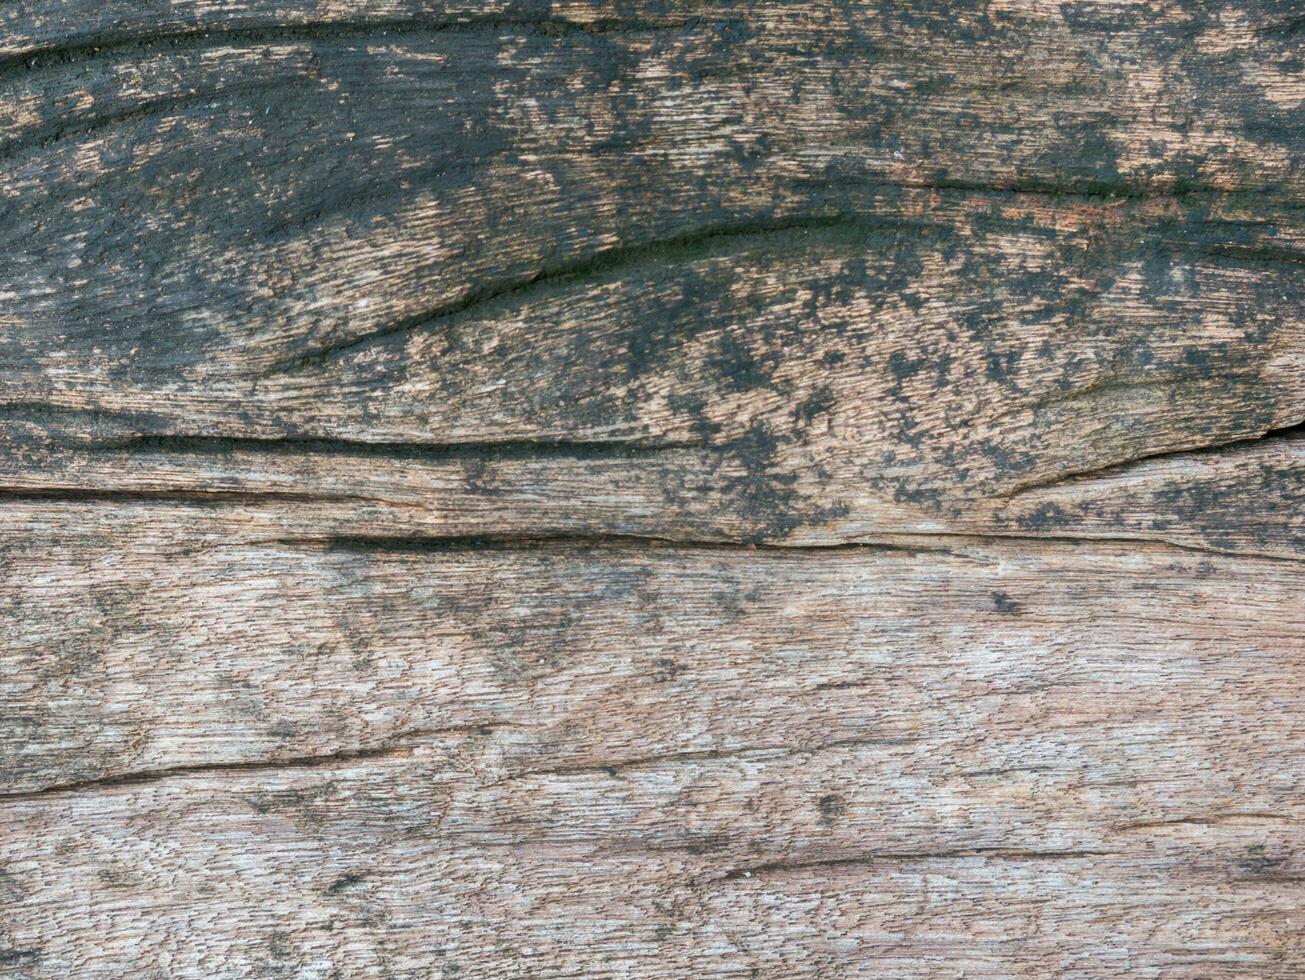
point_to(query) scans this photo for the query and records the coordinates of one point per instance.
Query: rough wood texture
(652, 488)
(826, 268)
(973, 757)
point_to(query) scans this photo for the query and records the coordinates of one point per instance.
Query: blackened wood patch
(652, 488)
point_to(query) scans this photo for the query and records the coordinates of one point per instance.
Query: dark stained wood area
(652, 488)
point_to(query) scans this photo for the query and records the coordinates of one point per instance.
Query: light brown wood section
(926, 758)
(666, 488)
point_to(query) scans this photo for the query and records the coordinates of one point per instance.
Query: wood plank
(133, 656)
(659, 488)
(815, 256)
(993, 757)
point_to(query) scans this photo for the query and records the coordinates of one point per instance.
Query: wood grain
(725, 749)
(652, 488)
(819, 246)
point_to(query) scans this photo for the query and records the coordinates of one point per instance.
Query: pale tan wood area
(652, 489)
(971, 756)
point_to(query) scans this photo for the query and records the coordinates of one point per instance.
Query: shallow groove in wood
(863, 860)
(45, 136)
(685, 245)
(1295, 430)
(145, 777)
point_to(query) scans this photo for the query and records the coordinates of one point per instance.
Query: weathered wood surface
(660, 488)
(826, 267)
(969, 757)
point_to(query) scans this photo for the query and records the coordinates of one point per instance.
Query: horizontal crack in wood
(412, 739)
(504, 449)
(868, 860)
(1072, 477)
(400, 743)
(1207, 820)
